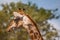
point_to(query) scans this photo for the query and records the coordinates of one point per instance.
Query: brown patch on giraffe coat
(31, 31)
(32, 37)
(29, 26)
(36, 33)
(35, 36)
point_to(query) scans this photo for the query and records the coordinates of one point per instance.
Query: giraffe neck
(31, 27)
(34, 33)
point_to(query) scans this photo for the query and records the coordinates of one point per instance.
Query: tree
(40, 15)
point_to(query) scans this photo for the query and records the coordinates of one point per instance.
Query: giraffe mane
(31, 20)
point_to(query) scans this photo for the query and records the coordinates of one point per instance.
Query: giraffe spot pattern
(32, 37)
(30, 26)
(31, 31)
(35, 36)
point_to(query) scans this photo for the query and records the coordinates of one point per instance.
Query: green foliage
(40, 15)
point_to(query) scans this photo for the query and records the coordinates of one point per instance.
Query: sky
(47, 4)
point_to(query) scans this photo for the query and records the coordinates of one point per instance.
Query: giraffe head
(16, 20)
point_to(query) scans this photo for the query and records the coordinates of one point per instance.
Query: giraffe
(28, 24)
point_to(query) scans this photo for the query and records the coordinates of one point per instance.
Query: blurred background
(46, 14)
